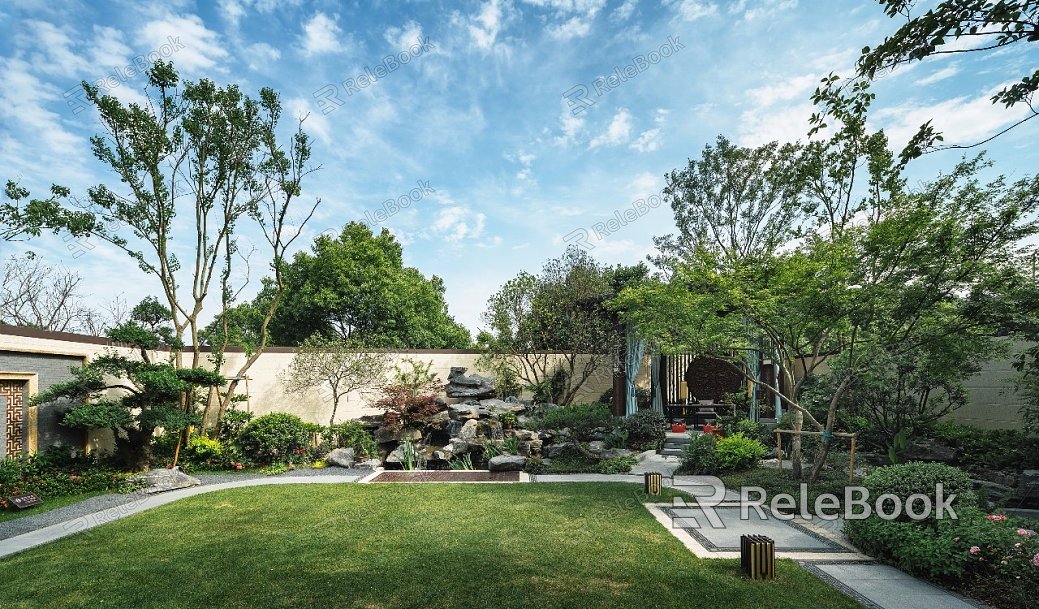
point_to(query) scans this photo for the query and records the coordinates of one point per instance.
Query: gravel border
(100, 503)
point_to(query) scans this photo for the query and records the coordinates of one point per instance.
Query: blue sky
(482, 115)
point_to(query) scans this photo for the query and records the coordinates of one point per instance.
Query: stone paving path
(879, 586)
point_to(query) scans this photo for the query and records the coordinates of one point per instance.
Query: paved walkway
(879, 586)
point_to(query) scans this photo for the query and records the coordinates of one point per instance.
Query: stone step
(677, 438)
(672, 452)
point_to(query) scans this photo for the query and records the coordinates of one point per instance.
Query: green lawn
(393, 546)
(48, 505)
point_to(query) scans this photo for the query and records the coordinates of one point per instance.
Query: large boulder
(161, 480)
(926, 449)
(1028, 487)
(500, 407)
(341, 457)
(456, 446)
(472, 386)
(463, 412)
(507, 463)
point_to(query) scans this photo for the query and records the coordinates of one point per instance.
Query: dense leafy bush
(915, 478)
(701, 455)
(618, 438)
(232, 424)
(581, 419)
(276, 437)
(706, 454)
(1000, 449)
(350, 434)
(617, 465)
(55, 473)
(751, 429)
(738, 452)
(645, 426)
(990, 556)
(643, 399)
(203, 452)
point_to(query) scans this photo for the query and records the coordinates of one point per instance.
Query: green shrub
(618, 438)
(350, 434)
(645, 427)
(915, 478)
(617, 465)
(580, 419)
(751, 429)
(1000, 449)
(990, 555)
(276, 437)
(701, 455)
(737, 452)
(55, 473)
(232, 423)
(535, 465)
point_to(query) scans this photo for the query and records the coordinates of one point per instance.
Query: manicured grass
(395, 546)
(48, 505)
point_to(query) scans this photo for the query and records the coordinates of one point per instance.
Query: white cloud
(261, 55)
(648, 141)
(575, 27)
(691, 10)
(764, 8)
(760, 125)
(962, 120)
(485, 25)
(321, 34)
(797, 87)
(316, 124)
(232, 10)
(201, 51)
(457, 223)
(624, 11)
(55, 46)
(618, 132)
(405, 37)
(570, 125)
(22, 100)
(946, 72)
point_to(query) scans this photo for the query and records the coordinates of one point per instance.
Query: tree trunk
(135, 449)
(795, 444)
(831, 419)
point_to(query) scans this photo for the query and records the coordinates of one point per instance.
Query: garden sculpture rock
(472, 386)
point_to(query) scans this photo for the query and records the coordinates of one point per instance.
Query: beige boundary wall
(264, 387)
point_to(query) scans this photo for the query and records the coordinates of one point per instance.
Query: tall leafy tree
(196, 149)
(354, 287)
(554, 324)
(734, 201)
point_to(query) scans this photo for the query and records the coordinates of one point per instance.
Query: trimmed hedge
(276, 437)
(917, 478)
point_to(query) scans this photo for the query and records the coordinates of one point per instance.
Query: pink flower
(977, 550)
(996, 517)
(1035, 559)
(1026, 532)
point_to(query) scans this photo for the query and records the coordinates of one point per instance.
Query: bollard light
(654, 481)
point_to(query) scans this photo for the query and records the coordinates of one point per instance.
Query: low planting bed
(398, 545)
